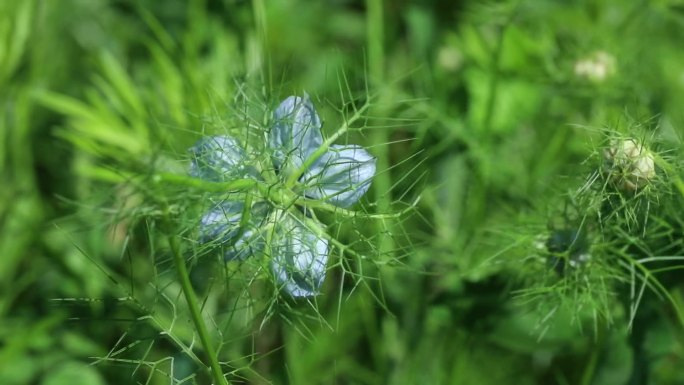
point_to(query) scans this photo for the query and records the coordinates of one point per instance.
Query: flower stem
(195, 312)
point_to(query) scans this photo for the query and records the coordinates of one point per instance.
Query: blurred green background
(487, 110)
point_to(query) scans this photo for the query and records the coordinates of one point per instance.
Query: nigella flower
(340, 176)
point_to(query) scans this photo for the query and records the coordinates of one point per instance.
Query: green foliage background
(478, 110)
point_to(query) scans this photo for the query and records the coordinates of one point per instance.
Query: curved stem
(195, 312)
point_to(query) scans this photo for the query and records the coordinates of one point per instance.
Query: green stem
(590, 370)
(195, 312)
(493, 84)
(376, 37)
(379, 136)
(496, 74)
(208, 186)
(261, 27)
(382, 183)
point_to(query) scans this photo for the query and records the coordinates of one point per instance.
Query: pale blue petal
(296, 132)
(220, 158)
(221, 227)
(341, 176)
(299, 259)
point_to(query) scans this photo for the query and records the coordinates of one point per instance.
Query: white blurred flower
(449, 58)
(597, 67)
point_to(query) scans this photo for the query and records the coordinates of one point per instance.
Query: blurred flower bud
(629, 163)
(567, 248)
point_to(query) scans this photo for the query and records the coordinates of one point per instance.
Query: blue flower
(299, 258)
(340, 176)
